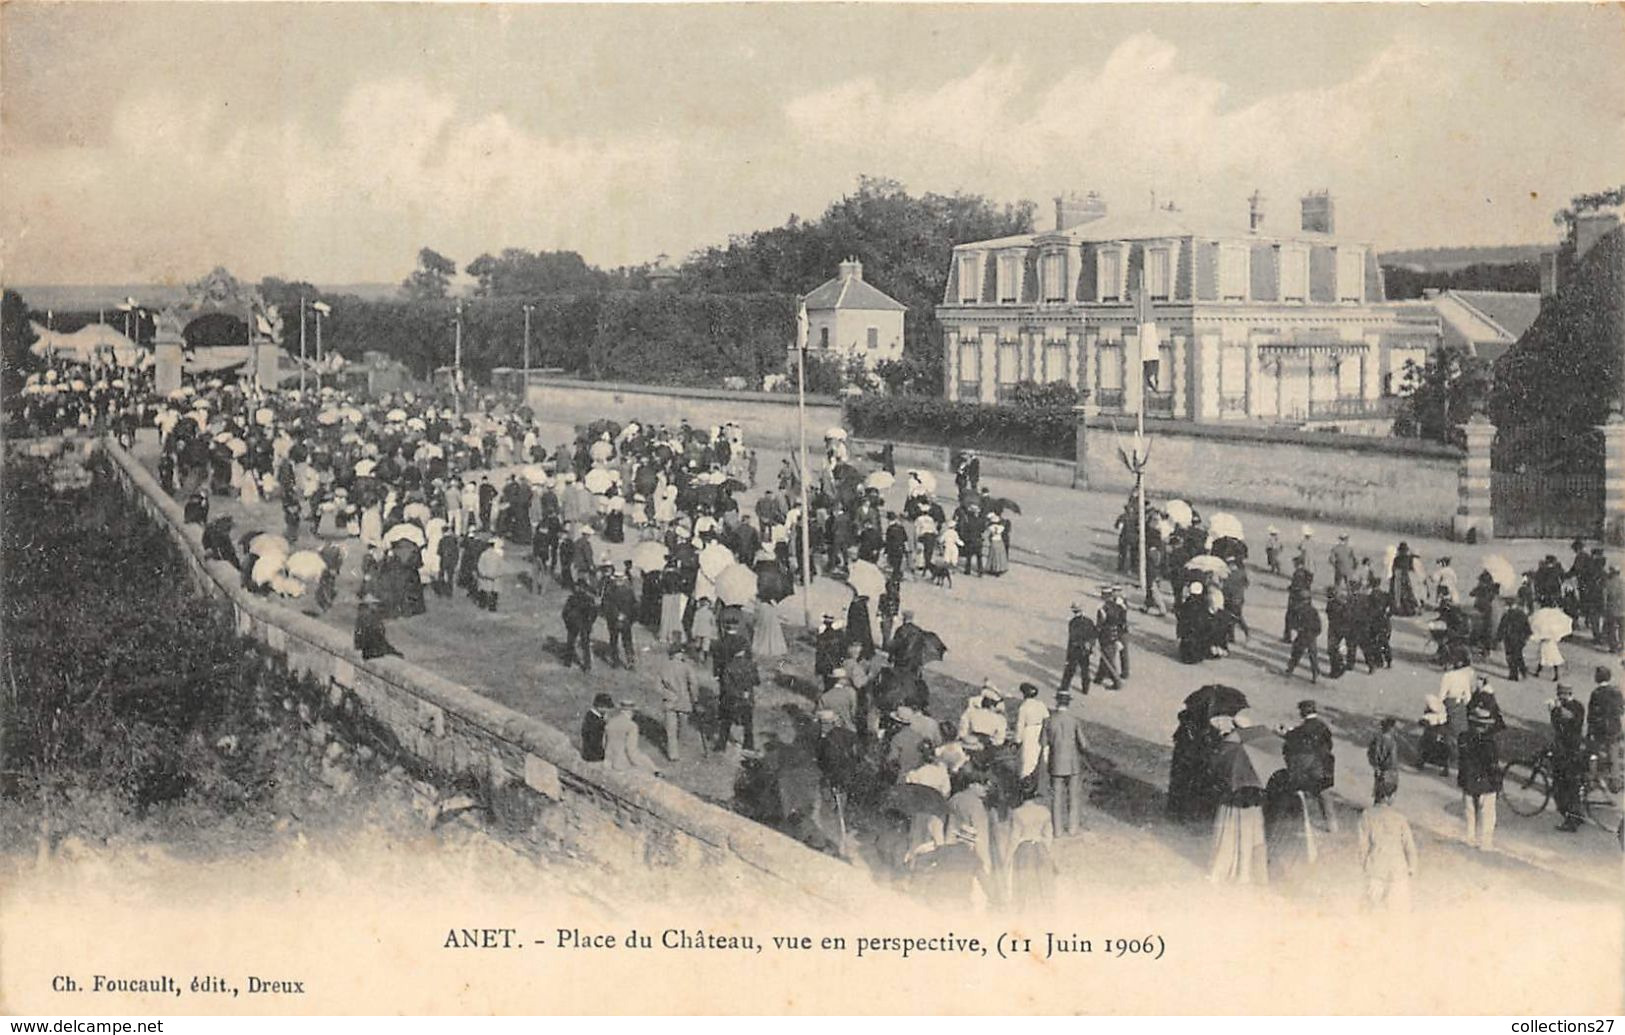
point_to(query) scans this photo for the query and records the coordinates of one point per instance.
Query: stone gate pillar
(1613, 478)
(1080, 417)
(1473, 513)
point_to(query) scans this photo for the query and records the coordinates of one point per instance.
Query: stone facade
(1247, 325)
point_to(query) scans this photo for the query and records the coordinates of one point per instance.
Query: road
(1012, 629)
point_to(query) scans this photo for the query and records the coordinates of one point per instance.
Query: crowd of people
(661, 534)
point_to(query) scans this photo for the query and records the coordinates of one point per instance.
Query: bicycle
(1526, 788)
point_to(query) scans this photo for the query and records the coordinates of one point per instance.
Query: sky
(329, 142)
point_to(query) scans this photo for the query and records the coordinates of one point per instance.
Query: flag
(801, 325)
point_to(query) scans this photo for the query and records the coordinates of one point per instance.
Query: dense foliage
(1029, 430)
(15, 337)
(1563, 378)
(903, 241)
(655, 337)
(1401, 283)
(1440, 396)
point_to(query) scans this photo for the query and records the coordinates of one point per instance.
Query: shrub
(1028, 430)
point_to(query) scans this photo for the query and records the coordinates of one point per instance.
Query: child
(1272, 551)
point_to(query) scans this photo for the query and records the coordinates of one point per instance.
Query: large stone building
(848, 316)
(1252, 322)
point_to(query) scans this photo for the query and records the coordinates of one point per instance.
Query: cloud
(1420, 144)
(181, 184)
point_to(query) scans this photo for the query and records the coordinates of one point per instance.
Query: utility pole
(457, 361)
(301, 344)
(801, 425)
(525, 391)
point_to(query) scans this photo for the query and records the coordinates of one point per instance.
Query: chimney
(1074, 210)
(1548, 274)
(1255, 212)
(1319, 213)
(1591, 227)
(851, 269)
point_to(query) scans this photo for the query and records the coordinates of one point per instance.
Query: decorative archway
(219, 293)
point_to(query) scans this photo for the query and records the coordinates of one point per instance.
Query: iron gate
(1539, 505)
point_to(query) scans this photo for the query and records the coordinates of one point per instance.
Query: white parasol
(364, 468)
(535, 474)
(736, 585)
(1208, 564)
(267, 568)
(1500, 569)
(600, 450)
(881, 480)
(409, 532)
(1551, 623)
(1179, 512)
(287, 586)
(715, 559)
(268, 544)
(306, 564)
(866, 579)
(264, 416)
(921, 483)
(649, 556)
(417, 512)
(397, 414)
(837, 434)
(598, 480)
(1226, 526)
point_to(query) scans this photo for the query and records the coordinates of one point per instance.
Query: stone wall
(769, 419)
(1379, 482)
(460, 733)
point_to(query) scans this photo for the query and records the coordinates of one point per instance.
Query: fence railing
(1384, 406)
(1109, 398)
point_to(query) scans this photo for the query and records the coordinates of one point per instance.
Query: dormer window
(1054, 277)
(1110, 273)
(1294, 273)
(1009, 278)
(970, 279)
(1233, 272)
(1158, 263)
(1350, 275)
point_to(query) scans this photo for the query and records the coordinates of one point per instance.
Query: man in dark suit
(592, 727)
(1065, 743)
(1310, 764)
(1080, 648)
(580, 610)
(1568, 756)
(619, 608)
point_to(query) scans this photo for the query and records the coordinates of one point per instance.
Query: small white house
(849, 316)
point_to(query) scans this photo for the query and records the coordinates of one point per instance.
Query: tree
(518, 272)
(431, 279)
(1582, 203)
(285, 296)
(1441, 395)
(16, 335)
(904, 243)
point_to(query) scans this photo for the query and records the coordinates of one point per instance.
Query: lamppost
(524, 391)
(801, 426)
(301, 345)
(322, 309)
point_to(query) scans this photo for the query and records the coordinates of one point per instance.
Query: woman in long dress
(998, 546)
(1240, 854)
(1403, 586)
(704, 627)
(673, 603)
(768, 640)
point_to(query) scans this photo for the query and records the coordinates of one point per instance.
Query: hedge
(1024, 430)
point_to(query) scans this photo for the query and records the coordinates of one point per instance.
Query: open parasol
(288, 586)
(837, 434)
(649, 556)
(1179, 512)
(1500, 569)
(1208, 564)
(364, 468)
(1250, 761)
(1214, 699)
(867, 579)
(268, 544)
(411, 533)
(306, 564)
(535, 474)
(921, 483)
(736, 586)
(598, 480)
(1551, 623)
(264, 416)
(600, 450)
(881, 480)
(715, 559)
(397, 414)
(1225, 526)
(418, 513)
(267, 568)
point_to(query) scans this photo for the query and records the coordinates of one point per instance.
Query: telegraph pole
(801, 425)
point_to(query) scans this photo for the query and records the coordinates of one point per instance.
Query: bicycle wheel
(1526, 787)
